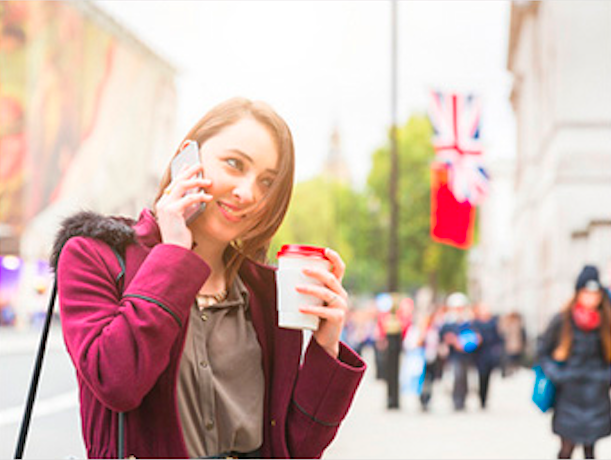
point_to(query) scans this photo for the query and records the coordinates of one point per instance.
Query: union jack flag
(456, 122)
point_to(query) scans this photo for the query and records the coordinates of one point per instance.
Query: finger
(178, 187)
(182, 186)
(193, 198)
(329, 314)
(326, 295)
(339, 267)
(189, 171)
(326, 278)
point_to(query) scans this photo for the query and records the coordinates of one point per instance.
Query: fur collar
(117, 232)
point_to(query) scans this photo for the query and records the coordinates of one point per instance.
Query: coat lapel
(280, 348)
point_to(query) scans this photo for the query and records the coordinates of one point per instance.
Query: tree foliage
(328, 213)
(421, 261)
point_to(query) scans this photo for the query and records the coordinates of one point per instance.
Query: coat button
(273, 422)
(204, 364)
(209, 425)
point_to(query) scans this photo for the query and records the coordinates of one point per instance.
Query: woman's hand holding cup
(335, 302)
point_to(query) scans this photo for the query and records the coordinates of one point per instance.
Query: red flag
(452, 222)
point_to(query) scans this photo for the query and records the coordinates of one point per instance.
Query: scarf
(586, 319)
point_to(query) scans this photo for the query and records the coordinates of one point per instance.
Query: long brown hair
(563, 350)
(267, 219)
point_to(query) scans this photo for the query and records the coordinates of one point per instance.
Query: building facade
(87, 115)
(490, 262)
(560, 58)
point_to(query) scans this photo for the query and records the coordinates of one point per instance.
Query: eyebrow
(239, 152)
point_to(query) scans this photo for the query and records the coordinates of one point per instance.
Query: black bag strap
(27, 415)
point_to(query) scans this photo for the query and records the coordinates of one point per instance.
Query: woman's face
(589, 299)
(242, 162)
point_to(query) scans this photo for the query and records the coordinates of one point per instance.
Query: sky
(325, 65)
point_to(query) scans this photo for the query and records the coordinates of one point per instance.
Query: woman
(514, 340)
(575, 356)
(183, 338)
(429, 340)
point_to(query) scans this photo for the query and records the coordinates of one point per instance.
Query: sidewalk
(511, 428)
(14, 341)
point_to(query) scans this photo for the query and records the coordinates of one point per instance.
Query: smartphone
(188, 156)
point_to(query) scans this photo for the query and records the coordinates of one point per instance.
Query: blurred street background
(441, 147)
(510, 428)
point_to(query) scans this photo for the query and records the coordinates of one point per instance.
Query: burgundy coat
(125, 328)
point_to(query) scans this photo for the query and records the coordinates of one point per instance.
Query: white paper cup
(292, 259)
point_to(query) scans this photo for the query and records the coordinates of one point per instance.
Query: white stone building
(560, 57)
(490, 262)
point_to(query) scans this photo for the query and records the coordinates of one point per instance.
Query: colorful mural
(83, 104)
(53, 67)
(58, 67)
(12, 109)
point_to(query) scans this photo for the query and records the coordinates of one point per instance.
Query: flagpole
(393, 327)
(393, 249)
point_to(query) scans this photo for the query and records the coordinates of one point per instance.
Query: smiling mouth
(230, 213)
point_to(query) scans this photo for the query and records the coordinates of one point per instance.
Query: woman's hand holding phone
(172, 206)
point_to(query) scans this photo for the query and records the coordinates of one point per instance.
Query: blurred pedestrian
(575, 354)
(183, 336)
(403, 314)
(379, 335)
(459, 335)
(511, 327)
(359, 330)
(430, 340)
(488, 354)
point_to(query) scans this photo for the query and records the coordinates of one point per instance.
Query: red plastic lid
(303, 251)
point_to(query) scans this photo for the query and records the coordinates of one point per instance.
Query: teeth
(229, 211)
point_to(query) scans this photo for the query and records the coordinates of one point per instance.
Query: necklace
(207, 300)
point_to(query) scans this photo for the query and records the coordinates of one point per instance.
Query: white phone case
(188, 156)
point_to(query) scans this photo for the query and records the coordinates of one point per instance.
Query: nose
(245, 191)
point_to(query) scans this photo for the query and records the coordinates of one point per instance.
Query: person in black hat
(588, 279)
(575, 355)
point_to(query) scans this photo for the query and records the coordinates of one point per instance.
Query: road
(511, 427)
(55, 430)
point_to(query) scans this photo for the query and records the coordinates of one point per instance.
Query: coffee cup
(292, 259)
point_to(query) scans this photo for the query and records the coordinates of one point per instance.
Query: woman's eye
(267, 183)
(235, 163)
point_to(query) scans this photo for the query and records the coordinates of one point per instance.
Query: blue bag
(544, 392)
(468, 339)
